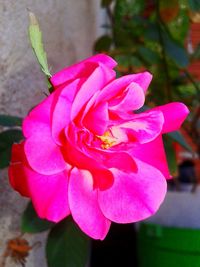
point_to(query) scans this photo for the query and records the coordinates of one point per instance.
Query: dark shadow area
(118, 248)
(186, 180)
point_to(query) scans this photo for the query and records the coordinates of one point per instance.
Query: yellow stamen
(107, 140)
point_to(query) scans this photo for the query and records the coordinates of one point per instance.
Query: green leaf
(6, 120)
(179, 27)
(5, 157)
(151, 32)
(35, 36)
(103, 43)
(178, 137)
(7, 138)
(67, 246)
(149, 56)
(31, 223)
(175, 51)
(194, 5)
(171, 156)
(128, 60)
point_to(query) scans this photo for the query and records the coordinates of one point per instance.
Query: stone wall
(69, 29)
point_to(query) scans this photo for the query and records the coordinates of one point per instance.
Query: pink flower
(87, 154)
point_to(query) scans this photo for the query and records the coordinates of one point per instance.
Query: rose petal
(133, 196)
(133, 100)
(39, 117)
(115, 87)
(113, 159)
(16, 172)
(152, 153)
(84, 206)
(49, 194)
(143, 128)
(74, 71)
(74, 155)
(43, 155)
(98, 78)
(62, 108)
(96, 119)
(174, 115)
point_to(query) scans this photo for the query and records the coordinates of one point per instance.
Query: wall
(69, 28)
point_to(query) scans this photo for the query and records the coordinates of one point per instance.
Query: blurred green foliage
(153, 35)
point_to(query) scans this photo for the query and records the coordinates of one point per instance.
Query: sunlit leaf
(35, 36)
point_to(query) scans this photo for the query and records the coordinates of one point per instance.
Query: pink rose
(86, 153)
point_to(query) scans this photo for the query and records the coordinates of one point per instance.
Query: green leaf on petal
(67, 246)
(31, 223)
(7, 138)
(35, 36)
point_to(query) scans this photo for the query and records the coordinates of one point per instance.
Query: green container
(160, 246)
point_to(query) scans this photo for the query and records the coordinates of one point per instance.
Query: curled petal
(174, 115)
(75, 70)
(133, 196)
(143, 128)
(118, 86)
(84, 205)
(133, 100)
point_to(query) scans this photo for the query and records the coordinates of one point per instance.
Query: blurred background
(160, 36)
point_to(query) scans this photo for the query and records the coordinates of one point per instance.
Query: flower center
(107, 140)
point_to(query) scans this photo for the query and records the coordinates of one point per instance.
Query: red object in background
(194, 40)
